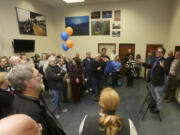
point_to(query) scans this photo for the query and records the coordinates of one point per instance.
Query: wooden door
(123, 50)
(177, 48)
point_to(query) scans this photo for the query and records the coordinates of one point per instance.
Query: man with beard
(27, 80)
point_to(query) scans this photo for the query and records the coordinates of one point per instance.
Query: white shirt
(113, 56)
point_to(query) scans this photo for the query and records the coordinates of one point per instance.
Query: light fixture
(73, 1)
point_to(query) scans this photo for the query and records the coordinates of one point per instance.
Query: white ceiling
(61, 3)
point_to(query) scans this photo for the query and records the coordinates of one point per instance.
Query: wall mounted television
(22, 46)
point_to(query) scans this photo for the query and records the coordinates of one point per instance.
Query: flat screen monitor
(21, 45)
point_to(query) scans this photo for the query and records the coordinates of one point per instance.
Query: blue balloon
(64, 36)
(65, 48)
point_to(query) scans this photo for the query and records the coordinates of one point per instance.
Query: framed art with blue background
(80, 25)
(107, 14)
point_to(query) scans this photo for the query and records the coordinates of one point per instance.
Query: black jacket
(38, 111)
(6, 100)
(54, 77)
(158, 74)
(97, 73)
(87, 67)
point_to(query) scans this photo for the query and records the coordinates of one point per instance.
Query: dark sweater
(38, 110)
(158, 74)
(97, 73)
(6, 100)
(54, 77)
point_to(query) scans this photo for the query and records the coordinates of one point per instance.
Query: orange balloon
(69, 31)
(69, 43)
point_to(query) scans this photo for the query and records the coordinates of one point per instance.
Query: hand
(161, 63)
(99, 68)
(117, 70)
(85, 79)
(106, 59)
(77, 80)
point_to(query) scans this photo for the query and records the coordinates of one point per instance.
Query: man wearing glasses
(27, 80)
(157, 76)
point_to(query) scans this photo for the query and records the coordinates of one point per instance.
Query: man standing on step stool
(157, 76)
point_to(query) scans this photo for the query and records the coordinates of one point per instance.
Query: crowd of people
(23, 81)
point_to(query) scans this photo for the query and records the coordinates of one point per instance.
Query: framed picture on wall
(117, 14)
(100, 27)
(31, 23)
(95, 15)
(80, 25)
(115, 33)
(116, 25)
(107, 14)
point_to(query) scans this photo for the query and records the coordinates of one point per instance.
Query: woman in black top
(6, 95)
(107, 122)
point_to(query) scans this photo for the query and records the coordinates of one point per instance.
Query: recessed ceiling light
(73, 1)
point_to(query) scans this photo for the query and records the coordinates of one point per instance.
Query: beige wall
(174, 29)
(142, 22)
(9, 27)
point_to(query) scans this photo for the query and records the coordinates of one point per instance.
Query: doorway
(123, 50)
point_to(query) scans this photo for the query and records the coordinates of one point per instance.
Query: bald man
(19, 124)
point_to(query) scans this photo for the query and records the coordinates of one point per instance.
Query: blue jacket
(116, 66)
(109, 68)
(87, 67)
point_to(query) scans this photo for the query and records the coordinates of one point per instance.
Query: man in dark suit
(27, 80)
(157, 76)
(87, 71)
(97, 69)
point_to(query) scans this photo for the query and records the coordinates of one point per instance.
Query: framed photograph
(95, 15)
(107, 14)
(115, 33)
(116, 25)
(100, 27)
(117, 15)
(80, 25)
(31, 23)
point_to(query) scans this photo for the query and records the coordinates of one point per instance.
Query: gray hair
(18, 74)
(51, 58)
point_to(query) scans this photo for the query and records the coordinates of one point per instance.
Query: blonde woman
(107, 122)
